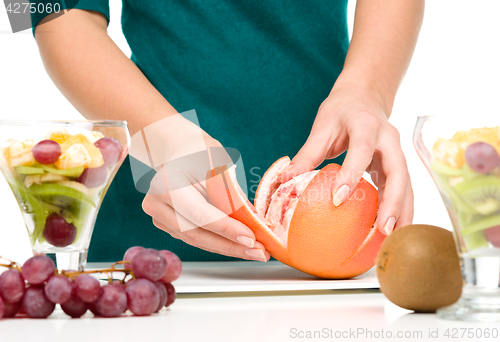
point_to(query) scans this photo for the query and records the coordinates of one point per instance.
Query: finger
(263, 248)
(377, 174)
(359, 157)
(226, 227)
(193, 208)
(395, 190)
(214, 243)
(309, 157)
(180, 236)
(406, 215)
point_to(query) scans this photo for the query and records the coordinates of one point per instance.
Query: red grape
(74, 307)
(46, 152)
(38, 269)
(119, 283)
(93, 309)
(174, 267)
(482, 157)
(12, 286)
(493, 235)
(93, 177)
(58, 232)
(21, 311)
(171, 294)
(86, 288)
(112, 301)
(2, 307)
(142, 297)
(36, 304)
(162, 291)
(150, 264)
(111, 150)
(58, 289)
(11, 309)
(129, 255)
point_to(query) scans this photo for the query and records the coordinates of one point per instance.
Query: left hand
(355, 119)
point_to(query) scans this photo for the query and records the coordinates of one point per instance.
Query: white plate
(243, 276)
(247, 276)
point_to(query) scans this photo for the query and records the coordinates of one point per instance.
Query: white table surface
(248, 316)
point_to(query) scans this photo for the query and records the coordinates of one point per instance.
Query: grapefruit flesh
(269, 184)
(283, 203)
(299, 225)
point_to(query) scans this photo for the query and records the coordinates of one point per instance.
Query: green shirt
(256, 73)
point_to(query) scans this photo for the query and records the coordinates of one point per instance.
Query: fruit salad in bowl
(59, 179)
(467, 168)
(462, 154)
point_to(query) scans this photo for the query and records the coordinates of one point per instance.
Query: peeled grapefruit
(297, 222)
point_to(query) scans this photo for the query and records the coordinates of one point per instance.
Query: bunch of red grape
(37, 287)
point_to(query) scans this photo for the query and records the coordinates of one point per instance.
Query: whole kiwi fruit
(418, 268)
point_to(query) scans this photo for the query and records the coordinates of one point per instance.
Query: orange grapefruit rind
(297, 222)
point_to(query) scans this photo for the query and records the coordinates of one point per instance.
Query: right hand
(183, 210)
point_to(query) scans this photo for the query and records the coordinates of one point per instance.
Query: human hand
(177, 198)
(356, 120)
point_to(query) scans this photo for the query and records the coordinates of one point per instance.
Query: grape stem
(107, 271)
(11, 264)
(74, 274)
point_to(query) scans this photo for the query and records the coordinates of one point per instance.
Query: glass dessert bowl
(463, 157)
(59, 172)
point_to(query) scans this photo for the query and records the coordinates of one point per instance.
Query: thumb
(308, 158)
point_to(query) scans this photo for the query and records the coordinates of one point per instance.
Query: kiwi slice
(73, 172)
(459, 204)
(34, 207)
(468, 173)
(29, 170)
(52, 208)
(74, 206)
(77, 218)
(445, 170)
(464, 219)
(481, 193)
(475, 240)
(60, 195)
(482, 224)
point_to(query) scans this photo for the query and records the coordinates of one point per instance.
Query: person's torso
(255, 72)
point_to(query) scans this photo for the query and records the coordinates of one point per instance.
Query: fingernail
(341, 195)
(256, 254)
(245, 241)
(389, 225)
(286, 169)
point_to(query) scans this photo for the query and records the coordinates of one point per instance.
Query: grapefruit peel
(297, 222)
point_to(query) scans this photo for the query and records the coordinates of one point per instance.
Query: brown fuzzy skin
(418, 268)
